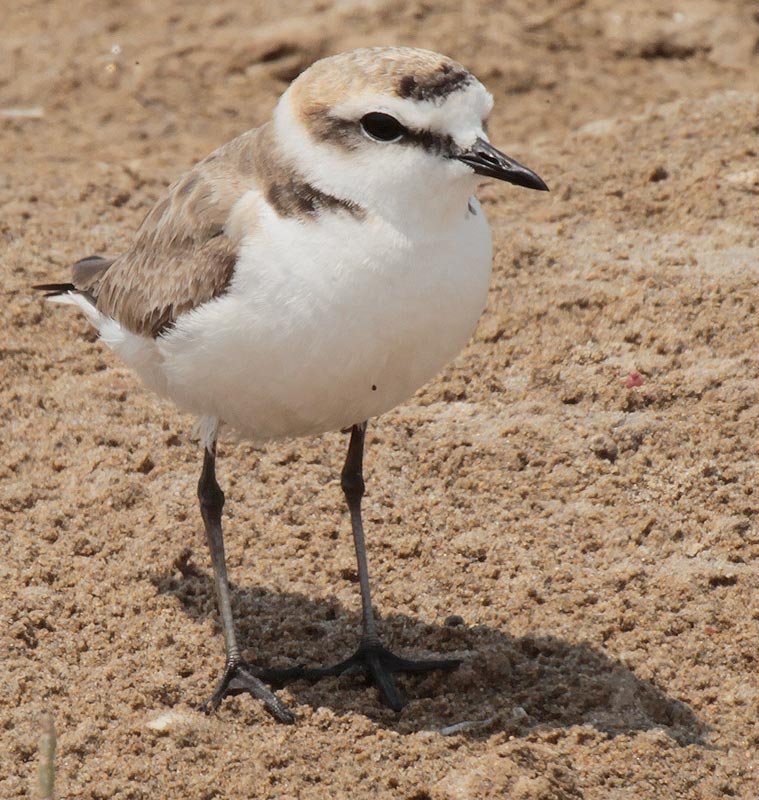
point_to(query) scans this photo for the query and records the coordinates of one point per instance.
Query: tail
(55, 289)
(83, 291)
(86, 274)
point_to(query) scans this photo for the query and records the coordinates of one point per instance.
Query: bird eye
(382, 127)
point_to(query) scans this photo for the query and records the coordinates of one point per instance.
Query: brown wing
(181, 256)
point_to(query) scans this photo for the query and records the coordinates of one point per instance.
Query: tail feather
(83, 301)
(86, 273)
(54, 289)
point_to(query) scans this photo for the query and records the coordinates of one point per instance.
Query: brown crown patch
(400, 71)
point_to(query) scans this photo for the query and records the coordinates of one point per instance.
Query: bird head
(400, 131)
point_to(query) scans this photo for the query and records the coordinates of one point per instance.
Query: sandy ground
(598, 541)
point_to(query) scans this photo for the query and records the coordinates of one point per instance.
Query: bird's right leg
(372, 657)
(239, 675)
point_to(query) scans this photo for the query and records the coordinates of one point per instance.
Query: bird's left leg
(371, 657)
(239, 675)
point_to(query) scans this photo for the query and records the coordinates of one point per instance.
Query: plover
(308, 275)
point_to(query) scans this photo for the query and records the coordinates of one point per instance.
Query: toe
(383, 679)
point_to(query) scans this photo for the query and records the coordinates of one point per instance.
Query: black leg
(239, 676)
(371, 657)
(352, 481)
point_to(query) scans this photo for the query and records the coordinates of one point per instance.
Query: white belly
(327, 325)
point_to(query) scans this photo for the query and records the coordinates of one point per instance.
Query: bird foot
(379, 664)
(241, 676)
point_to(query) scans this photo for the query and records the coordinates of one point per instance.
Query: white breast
(328, 323)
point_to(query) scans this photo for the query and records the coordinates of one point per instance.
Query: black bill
(484, 159)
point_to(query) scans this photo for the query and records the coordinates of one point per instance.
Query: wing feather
(182, 255)
(184, 252)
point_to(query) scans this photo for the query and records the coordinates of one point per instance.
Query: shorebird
(309, 275)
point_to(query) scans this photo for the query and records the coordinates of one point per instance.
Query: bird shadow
(510, 684)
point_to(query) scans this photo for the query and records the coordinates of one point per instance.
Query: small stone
(605, 447)
(170, 720)
(633, 380)
(146, 465)
(121, 199)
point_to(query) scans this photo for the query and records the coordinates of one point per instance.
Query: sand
(571, 507)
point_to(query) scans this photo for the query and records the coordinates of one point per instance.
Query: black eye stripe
(349, 134)
(437, 143)
(386, 128)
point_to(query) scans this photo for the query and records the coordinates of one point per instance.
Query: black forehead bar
(435, 85)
